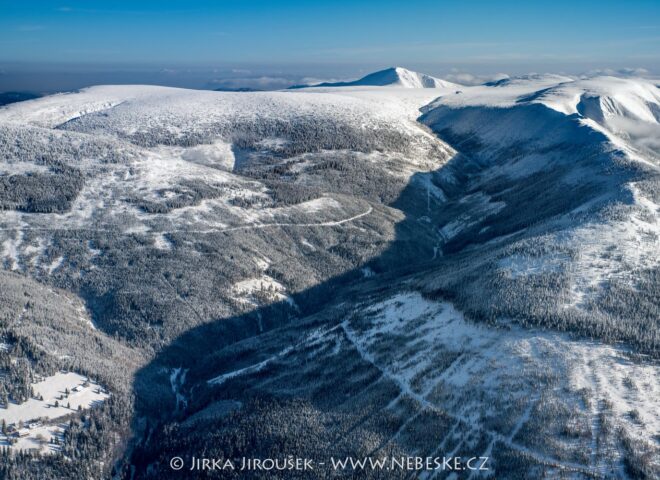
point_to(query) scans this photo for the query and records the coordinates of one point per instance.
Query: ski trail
(333, 223)
(260, 226)
(186, 302)
(311, 339)
(257, 367)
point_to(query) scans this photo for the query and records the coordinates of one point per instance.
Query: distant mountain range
(236, 89)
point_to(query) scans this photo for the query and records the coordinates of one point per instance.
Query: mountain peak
(391, 77)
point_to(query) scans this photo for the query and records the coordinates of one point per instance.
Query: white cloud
(465, 78)
(621, 72)
(642, 134)
(316, 80)
(263, 82)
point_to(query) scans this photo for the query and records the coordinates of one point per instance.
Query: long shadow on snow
(305, 404)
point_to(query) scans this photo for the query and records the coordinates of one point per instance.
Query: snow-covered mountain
(364, 270)
(392, 77)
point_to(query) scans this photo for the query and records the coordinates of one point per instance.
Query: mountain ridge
(389, 77)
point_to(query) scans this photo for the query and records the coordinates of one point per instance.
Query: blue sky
(204, 41)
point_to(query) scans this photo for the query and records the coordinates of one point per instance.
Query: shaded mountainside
(365, 272)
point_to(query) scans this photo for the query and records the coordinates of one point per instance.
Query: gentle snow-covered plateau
(396, 265)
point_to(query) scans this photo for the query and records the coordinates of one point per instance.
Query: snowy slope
(528, 202)
(566, 404)
(624, 107)
(394, 77)
(627, 110)
(171, 135)
(557, 183)
(170, 166)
